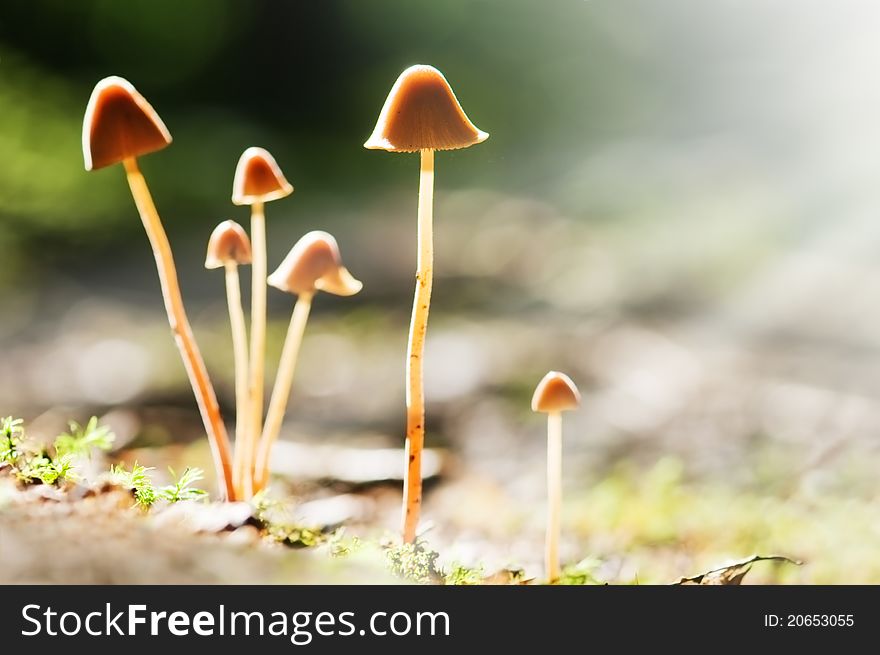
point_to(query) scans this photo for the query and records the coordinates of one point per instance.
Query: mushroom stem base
(183, 336)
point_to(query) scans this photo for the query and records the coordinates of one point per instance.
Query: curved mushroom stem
(183, 336)
(415, 386)
(281, 390)
(258, 325)
(554, 494)
(243, 459)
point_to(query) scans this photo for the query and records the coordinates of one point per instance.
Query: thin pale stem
(281, 390)
(183, 336)
(258, 326)
(554, 494)
(415, 386)
(242, 462)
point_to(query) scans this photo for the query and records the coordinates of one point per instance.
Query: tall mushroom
(313, 264)
(555, 393)
(119, 126)
(421, 114)
(229, 247)
(258, 180)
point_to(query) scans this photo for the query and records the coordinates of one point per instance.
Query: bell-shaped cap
(422, 113)
(258, 178)
(228, 243)
(314, 264)
(555, 393)
(119, 123)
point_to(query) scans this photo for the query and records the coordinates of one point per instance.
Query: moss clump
(145, 493)
(414, 562)
(582, 573)
(54, 464)
(458, 574)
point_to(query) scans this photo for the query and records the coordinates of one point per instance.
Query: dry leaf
(732, 573)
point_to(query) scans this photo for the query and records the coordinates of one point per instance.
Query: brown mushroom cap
(314, 264)
(258, 178)
(228, 242)
(119, 123)
(422, 113)
(555, 393)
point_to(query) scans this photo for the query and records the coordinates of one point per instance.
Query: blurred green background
(677, 206)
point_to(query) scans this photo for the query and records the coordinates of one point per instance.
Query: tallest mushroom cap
(120, 123)
(422, 113)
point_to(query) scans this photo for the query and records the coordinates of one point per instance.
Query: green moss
(414, 562)
(278, 525)
(458, 574)
(146, 494)
(32, 463)
(582, 573)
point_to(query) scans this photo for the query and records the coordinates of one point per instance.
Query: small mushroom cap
(555, 393)
(228, 243)
(258, 178)
(119, 123)
(314, 264)
(422, 113)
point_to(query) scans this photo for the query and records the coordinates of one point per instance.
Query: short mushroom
(258, 180)
(313, 264)
(119, 126)
(421, 114)
(228, 248)
(555, 393)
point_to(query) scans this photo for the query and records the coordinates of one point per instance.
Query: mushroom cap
(228, 243)
(555, 393)
(422, 113)
(258, 178)
(119, 123)
(314, 264)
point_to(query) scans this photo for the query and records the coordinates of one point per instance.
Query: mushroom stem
(554, 494)
(243, 458)
(258, 326)
(415, 386)
(281, 390)
(183, 336)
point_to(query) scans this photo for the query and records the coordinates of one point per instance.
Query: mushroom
(313, 264)
(555, 393)
(228, 247)
(421, 114)
(258, 180)
(119, 126)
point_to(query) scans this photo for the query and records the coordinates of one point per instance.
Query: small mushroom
(555, 393)
(258, 180)
(313, 264)
(119, 126)
(229, 247)
(421, 114)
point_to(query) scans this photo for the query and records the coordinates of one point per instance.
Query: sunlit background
(677, 206)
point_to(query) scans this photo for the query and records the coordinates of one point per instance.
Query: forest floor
(632, 527)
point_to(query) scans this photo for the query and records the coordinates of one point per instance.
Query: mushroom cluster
(421, 114)
(119, 126)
